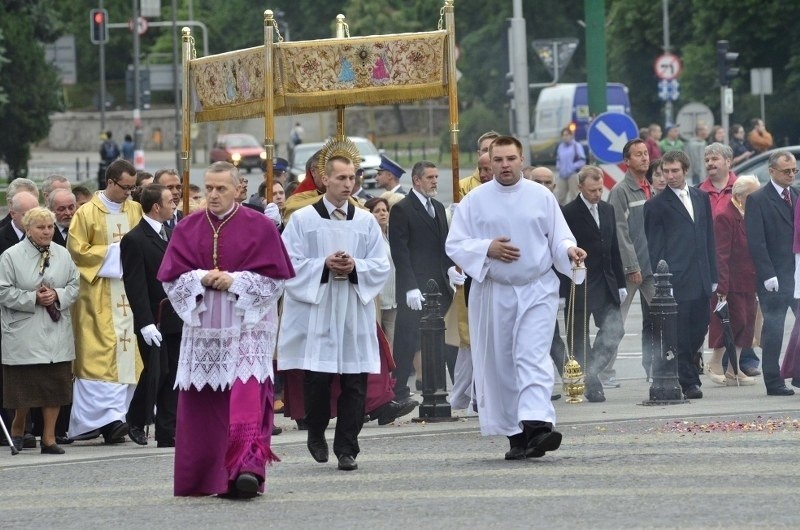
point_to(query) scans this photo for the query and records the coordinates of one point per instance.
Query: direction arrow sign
(607, 135)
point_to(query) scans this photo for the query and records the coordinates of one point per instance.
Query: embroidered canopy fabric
(311, 76)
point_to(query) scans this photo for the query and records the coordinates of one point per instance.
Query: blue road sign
(607, 135)
(669, 90)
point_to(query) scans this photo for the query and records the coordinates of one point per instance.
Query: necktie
(787, 197)
(687, 202)
(163, 233)
(429, 207)
(339, 215)
(596, 216)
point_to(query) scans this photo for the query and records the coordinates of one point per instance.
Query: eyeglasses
(126, 188)
(789, 172)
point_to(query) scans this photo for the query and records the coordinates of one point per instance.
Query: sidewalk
(623, 404)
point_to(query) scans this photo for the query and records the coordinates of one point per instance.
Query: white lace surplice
(226, 335)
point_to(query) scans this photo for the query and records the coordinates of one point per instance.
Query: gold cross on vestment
(125, 340)
(118, 234)
(124, 305)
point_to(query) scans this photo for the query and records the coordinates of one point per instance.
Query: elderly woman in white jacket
(38, 284)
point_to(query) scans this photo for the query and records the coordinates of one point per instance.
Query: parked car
(370, 159)
(759, 164)
(241, 150)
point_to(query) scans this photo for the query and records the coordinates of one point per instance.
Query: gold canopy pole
(341, 32)
(186, 118)
(452, 89)
(269, 104)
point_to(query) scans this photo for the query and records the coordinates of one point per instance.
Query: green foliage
(472, 124)
(3, 60)
(28, 82)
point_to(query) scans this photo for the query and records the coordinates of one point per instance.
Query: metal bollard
(665, 389)
(434, 406)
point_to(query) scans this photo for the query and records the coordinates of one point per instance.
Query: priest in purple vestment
(224, 271)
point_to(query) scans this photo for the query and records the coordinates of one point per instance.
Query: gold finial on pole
(268, 16)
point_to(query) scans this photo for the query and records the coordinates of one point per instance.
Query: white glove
(623, 295)
(456, 278)
(151, 335)
(562, 303)
(714, 287)
(771, 284)
(414, 299)
(273, 213)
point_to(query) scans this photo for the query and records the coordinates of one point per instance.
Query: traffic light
(726, 60)
(98, 26)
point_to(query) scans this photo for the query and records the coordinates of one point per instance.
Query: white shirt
(331, 207)
(155, 225)
(778, 188)
(592, 209)
(688, 202)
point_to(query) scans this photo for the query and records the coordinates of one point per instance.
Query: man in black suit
(770, 235)
(10, 234)
(63, 204)
(141, 251)
(679, 230)
(13, 188)
(417, 233)
(170, 179)
(593, 224)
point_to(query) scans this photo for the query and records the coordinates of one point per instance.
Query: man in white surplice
(328, 323)
(508, 234)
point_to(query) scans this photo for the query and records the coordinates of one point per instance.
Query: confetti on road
(760, 424)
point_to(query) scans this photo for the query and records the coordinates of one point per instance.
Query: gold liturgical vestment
(105, 342)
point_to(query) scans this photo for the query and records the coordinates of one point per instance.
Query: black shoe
(541, 443)
(780, 391)
(138, 435)
(165, 443)
(276, 431)
(246, 486)
(388, 412)
(751, 372)
(17, 441)
(63, 439)
(693, 392)
(52, 450)
(595, 396)
(347, 463)
(555, 397)
(515, 453)
(114, 432)
(318, 449)
(301, 425)
(91, 435)
(28, 441)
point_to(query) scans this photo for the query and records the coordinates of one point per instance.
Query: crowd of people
(122, 311)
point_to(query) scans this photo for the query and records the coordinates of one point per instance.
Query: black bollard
(665, 389)
(434, 406)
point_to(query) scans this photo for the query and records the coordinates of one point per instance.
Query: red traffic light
(99, 17)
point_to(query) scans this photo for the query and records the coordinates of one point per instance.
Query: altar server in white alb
(328, 324)
(507, 235)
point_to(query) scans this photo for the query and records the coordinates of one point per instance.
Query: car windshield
(241, 141)
(303, 152)
(366, 148)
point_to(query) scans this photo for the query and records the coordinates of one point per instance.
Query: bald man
(542, 175)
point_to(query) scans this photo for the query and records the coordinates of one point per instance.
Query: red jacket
(735, 268)
(719, 198)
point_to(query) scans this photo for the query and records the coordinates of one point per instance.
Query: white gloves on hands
(771, 285)
(273, 213)
(414, 299)
(456, 278)
(151, 335)
(623, 295)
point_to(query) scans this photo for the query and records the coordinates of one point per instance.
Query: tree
(3, 60)
(29, 83)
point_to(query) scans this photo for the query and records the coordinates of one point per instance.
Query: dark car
(241, 150)
(759, 164)
(370, 159)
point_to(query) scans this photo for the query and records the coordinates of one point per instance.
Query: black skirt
(37, 385)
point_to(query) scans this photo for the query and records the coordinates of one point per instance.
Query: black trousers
(692, 326)
(407, 343)
(774, 307)
(610, 330)
(166, 396)
(350, 409)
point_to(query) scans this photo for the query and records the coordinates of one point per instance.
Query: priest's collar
(226, 214)
(506, 188)
(113, 207)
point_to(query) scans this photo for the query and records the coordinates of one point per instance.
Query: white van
(567, 105)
